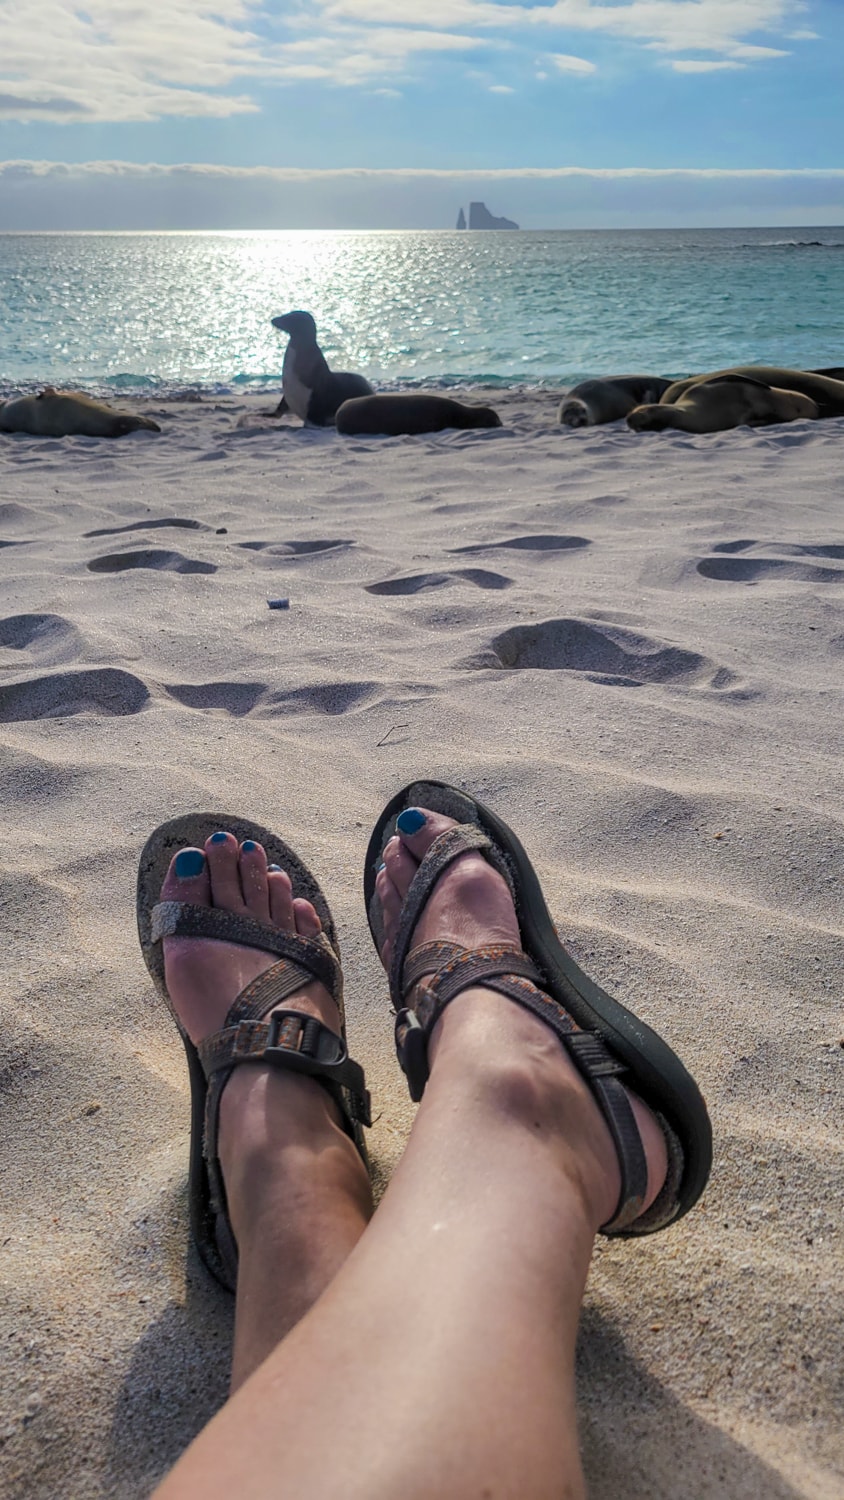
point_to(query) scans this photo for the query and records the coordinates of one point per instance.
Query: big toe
(417, 827)
(187, 879)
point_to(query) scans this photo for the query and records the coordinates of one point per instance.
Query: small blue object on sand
(278, 603)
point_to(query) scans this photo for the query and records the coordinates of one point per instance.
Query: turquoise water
(168, 311)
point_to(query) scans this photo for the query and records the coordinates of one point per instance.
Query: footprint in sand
(160, 561)
(420, 583)
(47, 639)
(604, 653)
(235, 698)
(240, 698)
(530, 544)
(298, 549)
(178, 521)
(756, 569)
(833, 550)
(105, 691)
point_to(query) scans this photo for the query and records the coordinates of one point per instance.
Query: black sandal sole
(656, 1073)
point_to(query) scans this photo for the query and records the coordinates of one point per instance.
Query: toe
(253, 880)
(417, 828)
(281, 899)
(188, 879)
(223, 853)
(308, 923)
(391, 905)
(400, 864)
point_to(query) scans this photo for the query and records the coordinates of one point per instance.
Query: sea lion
(55, 413)
(396, 416)
(826, 392)
(609, 399)
(724, 402)
(309, 389)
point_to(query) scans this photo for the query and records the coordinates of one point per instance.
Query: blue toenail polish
(410, 821)
(189, 863)
(274, 867)
(249, 846)
(381, 867)
(219, 838)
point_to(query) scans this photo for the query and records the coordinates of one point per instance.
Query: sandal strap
(287, 1039)
(443, 851)
(439, 972)
(180, 919)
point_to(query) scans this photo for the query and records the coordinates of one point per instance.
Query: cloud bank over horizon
(120, 195)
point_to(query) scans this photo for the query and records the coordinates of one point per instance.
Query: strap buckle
(304, 1045)
(412, 1052)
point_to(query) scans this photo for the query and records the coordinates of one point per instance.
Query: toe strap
(180, 919)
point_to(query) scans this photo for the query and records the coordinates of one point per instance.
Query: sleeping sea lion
(723, 402)
(396, 416)
(69, 414)
(309, 389)
(826, 392)
(609, 399)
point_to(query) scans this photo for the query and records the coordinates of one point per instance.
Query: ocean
(170, 313)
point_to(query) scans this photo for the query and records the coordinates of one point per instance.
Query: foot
(203, 975)
(471, 905)
(298, 1193)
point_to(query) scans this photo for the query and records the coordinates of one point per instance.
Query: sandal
(609, 1045)
(288, 1039)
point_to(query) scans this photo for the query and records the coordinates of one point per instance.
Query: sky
(367, 114)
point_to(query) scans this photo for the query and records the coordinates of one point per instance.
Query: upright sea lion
(609, 399)
(826, 392)
(396, 416)
(309, 389)
(723, 402)
(69, 414)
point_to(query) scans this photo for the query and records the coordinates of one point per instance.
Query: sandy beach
(629, 645)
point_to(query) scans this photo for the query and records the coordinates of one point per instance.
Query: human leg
(440, 1358)
(297, 1192)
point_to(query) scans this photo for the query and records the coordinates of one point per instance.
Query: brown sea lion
(826, 392)
(399, 416)
(721, 403)
(69, 414)
(609, 398)
(309, 388)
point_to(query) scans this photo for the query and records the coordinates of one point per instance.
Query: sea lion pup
(609, 399)
(727, 401)
(398, 416)
(55, 413)
(308, 388)
(826, 392)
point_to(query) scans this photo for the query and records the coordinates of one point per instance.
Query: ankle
(273, 1123)
(509, 1063)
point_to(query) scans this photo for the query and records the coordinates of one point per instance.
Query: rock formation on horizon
(481, 218)
(461, 220)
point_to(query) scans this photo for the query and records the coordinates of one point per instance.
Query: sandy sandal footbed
(653, 1069)
(212, 1231)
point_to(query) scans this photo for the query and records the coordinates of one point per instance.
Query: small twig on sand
(390, 731)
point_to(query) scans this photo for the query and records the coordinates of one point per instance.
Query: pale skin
(428, 1349)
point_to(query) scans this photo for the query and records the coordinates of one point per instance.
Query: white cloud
(140, 60)
(564, 63)
(500, 88)
(802, 36)
(687, 65)
(693, 25)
